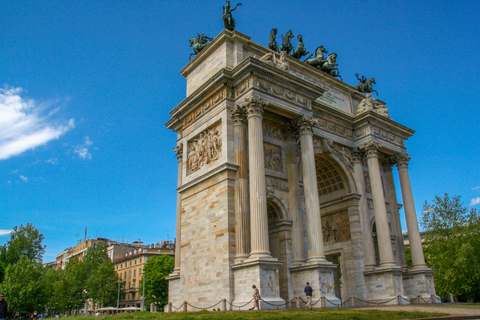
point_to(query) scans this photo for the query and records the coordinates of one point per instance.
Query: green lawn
(277, 314)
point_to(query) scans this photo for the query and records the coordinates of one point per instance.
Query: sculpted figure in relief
(280, 63)
(273, 158)
(370, 103)
(205, 149)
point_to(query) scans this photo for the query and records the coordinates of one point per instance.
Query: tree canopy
(452, 247)
(156, 286)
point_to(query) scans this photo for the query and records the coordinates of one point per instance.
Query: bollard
(297, 302)
(184, 306)
(419, 298)
(452, 300)
(224, 305)
(169, 307)
(433, 298)
(399, 299)
(352, 302)
(322, 302)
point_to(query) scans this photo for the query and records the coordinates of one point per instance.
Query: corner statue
(228, 20)
(365, 86)
(198, 43)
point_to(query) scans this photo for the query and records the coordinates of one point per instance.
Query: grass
(324, 314)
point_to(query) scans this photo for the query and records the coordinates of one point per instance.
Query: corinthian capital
(305, 124)
(179, 151)
(388, 163)
(238, 115)
(357, 155)
(402, 160)
(371, 148)
(254, 106)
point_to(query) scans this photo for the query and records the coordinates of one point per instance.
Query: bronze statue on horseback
(365, 85)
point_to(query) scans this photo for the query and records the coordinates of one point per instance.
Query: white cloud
(52, 161)
(476, 188)
(82, 149)
(25, 179)
(474, 201)
(26, 124)
(5, 232)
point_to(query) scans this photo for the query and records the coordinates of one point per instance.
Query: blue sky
(86, 87)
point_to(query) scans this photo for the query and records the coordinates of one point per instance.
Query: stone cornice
(207, 91)
(372, 117)
(252, 67)
(217, 170)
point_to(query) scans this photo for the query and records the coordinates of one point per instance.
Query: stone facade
(285, 176)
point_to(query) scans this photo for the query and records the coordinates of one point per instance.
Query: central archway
(279, 236)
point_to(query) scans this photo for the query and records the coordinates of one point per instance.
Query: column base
(419, 285)
(263, 273)
(384, 285)
(320, 277)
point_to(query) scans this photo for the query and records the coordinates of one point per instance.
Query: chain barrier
(376, 303)
(198, 308)
(278, 305)
(335, 304)
(178, 307)
(418, 299)
(239, 306)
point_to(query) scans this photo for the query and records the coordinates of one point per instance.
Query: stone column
(258, 192)
(310, 186)
(294, 195)
(179, 153)
(242, 212)
(381, 220)
(392, 200)
(418, 259)
(368, 244)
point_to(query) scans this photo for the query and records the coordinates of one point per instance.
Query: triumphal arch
(286, 175)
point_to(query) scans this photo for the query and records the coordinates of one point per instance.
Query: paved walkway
(451, 309)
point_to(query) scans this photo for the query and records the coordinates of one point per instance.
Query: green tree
(452, 246)
(23, 286)
(25, 241)
(156, 286)
(102, 284)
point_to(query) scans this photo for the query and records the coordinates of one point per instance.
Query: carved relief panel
(273, 157)
(336, 228)
(205, 148)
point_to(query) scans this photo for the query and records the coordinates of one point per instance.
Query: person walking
(308, 292)
(3, 307)
(256, 297)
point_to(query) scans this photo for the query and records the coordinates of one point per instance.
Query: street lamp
(143, 297)
(118, 297)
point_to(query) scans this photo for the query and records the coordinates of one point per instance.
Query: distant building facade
(130, 267)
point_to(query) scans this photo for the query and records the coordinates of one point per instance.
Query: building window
(125, 275)
(134, 273)
(134, 283)
(130, 274)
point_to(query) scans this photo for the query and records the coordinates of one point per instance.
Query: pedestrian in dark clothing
(308, 292)
(3, 306)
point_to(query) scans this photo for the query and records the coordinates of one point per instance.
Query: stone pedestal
(320, 276)
(420, 283)
(263, 274)
(384, 285)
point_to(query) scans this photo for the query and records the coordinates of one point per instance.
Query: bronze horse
(286, 45)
